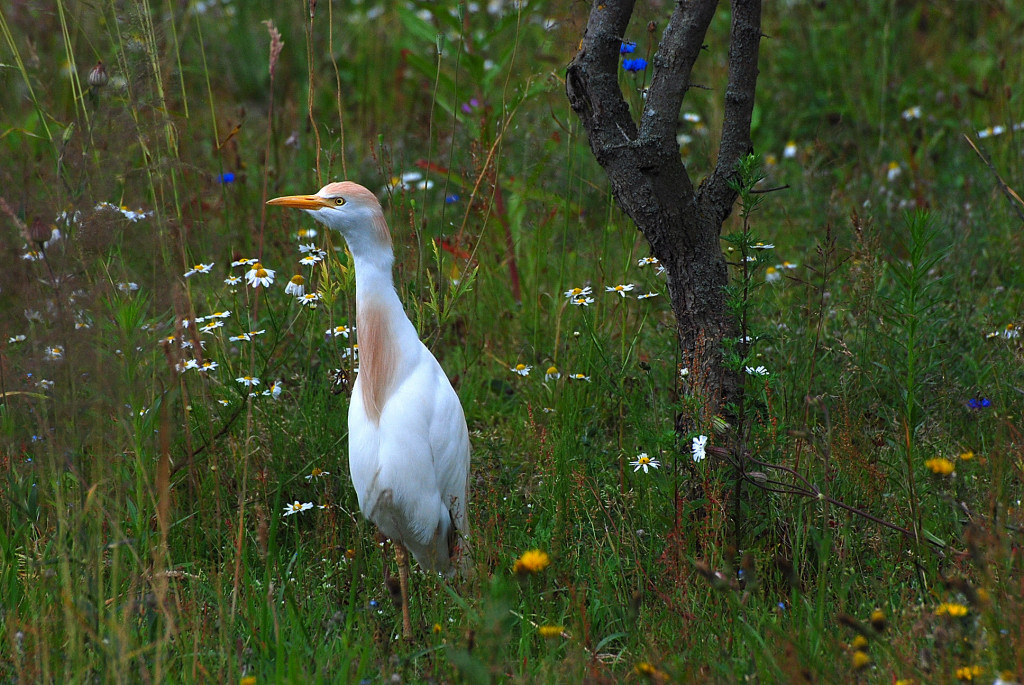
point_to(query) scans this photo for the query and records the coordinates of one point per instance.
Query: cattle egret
(407, 436)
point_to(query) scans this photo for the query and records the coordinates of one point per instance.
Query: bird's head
(346, 207)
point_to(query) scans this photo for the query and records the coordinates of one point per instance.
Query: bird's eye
(339, 201)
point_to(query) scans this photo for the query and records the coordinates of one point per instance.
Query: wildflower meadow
(176, 358)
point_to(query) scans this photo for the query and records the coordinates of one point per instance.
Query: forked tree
(648, 178)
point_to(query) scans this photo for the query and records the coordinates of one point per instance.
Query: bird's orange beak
(300, 201)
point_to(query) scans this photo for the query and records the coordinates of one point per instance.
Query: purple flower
(634, 65)
(627, 47)
(978, 403)
(468, 107)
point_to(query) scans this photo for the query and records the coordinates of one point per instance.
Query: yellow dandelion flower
(983, 596)
(877, 620)
(437, 628)
(859, 643)
(860, 660)
(951, 609)
(550, 631)
(967, 672)
(966, 456)
(649, 671)
(532, 561)
(248, 680)
(939, 466)
(904, 681)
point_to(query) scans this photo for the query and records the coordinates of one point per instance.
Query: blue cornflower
(226, 177)
(978, 403)
(451, 199)
(634, 65)
(627, 47)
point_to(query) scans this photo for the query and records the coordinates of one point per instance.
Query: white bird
(407, 436)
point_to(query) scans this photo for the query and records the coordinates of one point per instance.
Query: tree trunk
(647, 175)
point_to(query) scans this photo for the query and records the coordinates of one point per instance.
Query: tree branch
(591, 81)
(678, 50)
(745, 38)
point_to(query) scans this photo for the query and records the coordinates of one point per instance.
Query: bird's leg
(402, 557)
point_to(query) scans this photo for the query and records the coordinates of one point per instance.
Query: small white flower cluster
(1009, 332)
(409, 180)
(124, 211)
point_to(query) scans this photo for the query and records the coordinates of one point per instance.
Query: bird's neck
(386, 336)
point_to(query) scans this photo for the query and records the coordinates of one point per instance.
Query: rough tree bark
(648, 178)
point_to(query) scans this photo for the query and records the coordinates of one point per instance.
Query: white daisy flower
(772, 275)
(552, 373)
(248, 381)
(757, 371)
(259, 275)
(199, 269)
(343, 331)
(296, 286)
(521, 369)
(911, 113)
(317, 473)
(644, 462)
(274, 390)
(296, 507)
(309, 300)
(621, 289)
(577, 292)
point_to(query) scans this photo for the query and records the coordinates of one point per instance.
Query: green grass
(141, 529)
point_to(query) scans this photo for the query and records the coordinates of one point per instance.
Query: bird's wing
(413, 465)
(449, 445)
